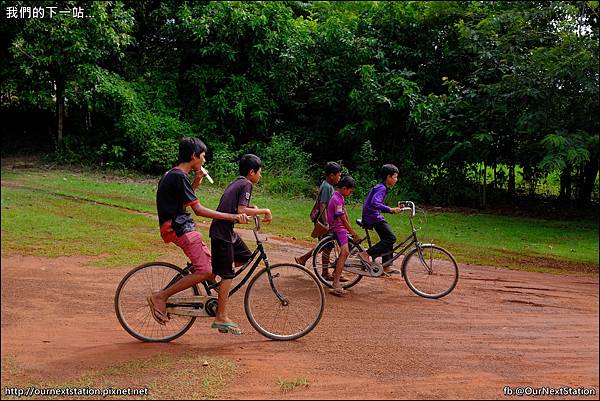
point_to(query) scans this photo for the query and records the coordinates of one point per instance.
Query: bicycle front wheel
(284, 302)
(430, 273)
(132, 308)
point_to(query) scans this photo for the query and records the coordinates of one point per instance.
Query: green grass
(288, 385)
(186, 376)
(63, 212)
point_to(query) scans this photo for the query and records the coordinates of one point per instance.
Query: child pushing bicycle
(175, 193)
(339, 226)
(333, 174)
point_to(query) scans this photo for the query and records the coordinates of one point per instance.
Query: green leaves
(437, 87)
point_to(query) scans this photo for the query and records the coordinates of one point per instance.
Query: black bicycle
(428, 269)
(282, 302)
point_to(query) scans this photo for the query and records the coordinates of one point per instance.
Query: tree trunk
(511, 182)
(565, 185)
(589, 173)
(484, 185)
(60, 110)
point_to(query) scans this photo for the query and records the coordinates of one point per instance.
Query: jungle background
(479, 104)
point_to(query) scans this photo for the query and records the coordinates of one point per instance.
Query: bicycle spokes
(430, 271)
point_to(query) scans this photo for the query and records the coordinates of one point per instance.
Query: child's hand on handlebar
(396, 210)
(268, 217)
(241, 218)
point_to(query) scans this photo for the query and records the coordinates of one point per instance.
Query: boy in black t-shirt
(227, 247)
(174, 195)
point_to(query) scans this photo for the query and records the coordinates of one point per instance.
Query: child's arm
(346, 223)
(379, 204)
(200, 210)
(253, 211)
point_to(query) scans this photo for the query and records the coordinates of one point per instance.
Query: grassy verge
(161, 377)
(66, 212)
(288, 385)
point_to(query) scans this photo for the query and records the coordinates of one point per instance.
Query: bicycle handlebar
(411, 208)
(256, 223)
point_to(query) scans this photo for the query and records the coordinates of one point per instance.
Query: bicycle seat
(360, 223)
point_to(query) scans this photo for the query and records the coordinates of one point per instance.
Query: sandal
(327, 277)
(160, 317)
(232, 328)
(298, 260)
(338, 292)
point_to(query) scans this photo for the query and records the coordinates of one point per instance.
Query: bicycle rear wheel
(325, 258)
(284, 301)
(433, 275)
(132, 308)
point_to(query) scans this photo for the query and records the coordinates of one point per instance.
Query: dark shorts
(225, 253)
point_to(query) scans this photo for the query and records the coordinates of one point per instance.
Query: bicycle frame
(259, 255)
(407, 243)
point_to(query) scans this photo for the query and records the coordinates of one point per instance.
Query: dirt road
(498, 328)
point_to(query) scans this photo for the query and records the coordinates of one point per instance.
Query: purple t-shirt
(236, 194)
(335, 209)
(374, 205)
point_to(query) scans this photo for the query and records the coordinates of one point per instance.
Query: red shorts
(194, 248)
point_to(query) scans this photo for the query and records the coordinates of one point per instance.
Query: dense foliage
(475, 102)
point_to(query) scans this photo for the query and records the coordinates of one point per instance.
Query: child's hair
(386, 170)
(189, 146)
(332, 168)
(346, 182)
(249, 162)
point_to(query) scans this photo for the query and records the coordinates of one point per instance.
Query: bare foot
(159, 304)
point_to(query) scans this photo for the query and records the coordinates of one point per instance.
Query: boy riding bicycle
(372, 215)
(174, 195)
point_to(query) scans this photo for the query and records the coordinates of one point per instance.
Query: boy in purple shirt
(339, 225)
(372, 215)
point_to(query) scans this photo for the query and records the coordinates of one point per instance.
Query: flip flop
(297, 260)
(329, 277)
(161, 318)
(232, 328)
(391, 271)
(338, 292)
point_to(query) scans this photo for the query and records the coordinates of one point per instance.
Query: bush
(112, 157)
(222, 163)
(287, 168)
(366, 174)
(153, 139)
(159, 155)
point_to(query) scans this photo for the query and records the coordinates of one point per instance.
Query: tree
(54, 51)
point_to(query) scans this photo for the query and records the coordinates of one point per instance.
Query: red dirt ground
(498, 328)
